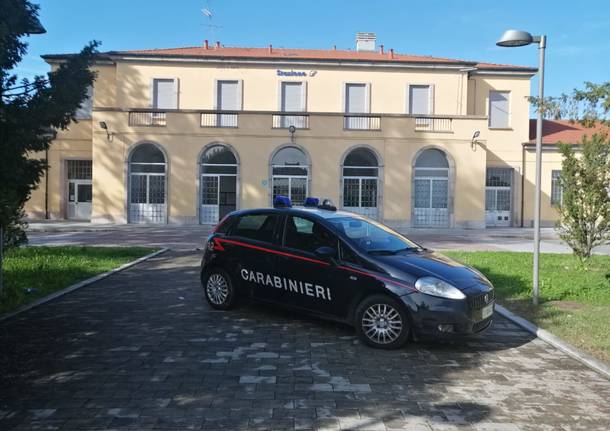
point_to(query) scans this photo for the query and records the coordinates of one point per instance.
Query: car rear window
(259, 227)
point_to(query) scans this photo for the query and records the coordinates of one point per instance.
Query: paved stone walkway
(142, 350)
(190, 237)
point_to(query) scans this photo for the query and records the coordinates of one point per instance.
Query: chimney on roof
(206, 45)
(270, 49)
(365, 41)
(217, 44)
(391, 53)
(381, 49)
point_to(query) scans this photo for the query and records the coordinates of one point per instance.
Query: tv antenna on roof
(207, 12)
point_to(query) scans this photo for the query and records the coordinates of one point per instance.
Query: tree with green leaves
(584, 221)
(588, 106)
(29, 111)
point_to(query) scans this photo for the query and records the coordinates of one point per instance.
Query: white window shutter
(499, 105)
(419, 99)
(292, 96)
(85, 109)
(367, 95)
(240, 94)
(228, 96)
(216, 88)
(408, 99)
(431, 102)
(304, 96)
(176, 93)
(356, 98)
(165, 94)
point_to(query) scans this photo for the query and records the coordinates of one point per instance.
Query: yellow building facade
(183, 136)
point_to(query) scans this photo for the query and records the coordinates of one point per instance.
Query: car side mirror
(326, 253)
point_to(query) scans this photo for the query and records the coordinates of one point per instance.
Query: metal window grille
(295, 187)
(438, 125)
(361, 122)
(499, 177)
(219, 119)
(284, 121)
(80, 169)
(148, 118)
(556, 190)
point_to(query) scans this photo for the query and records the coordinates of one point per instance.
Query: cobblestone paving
(142, 350)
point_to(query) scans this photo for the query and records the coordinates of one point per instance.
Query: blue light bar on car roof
(282, 202)
(311, 202)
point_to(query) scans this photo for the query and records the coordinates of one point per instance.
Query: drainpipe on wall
(522, 181)
(46, 185)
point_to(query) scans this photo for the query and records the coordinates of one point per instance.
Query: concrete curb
(80, 284)
(554, 341)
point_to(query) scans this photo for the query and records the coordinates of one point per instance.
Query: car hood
(414, 265)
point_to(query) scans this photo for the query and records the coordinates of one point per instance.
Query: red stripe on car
(307, 259)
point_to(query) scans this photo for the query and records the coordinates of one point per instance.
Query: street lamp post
(514, 38)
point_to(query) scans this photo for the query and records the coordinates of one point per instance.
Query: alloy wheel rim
(217, 289)
(382, 323)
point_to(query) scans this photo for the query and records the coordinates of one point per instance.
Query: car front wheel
(219, 290)
(382, 322)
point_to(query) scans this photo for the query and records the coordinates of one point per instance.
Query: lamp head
(513, 38)
(103, 125)
(292, 129)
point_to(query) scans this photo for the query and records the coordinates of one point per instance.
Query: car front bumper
(434, 317)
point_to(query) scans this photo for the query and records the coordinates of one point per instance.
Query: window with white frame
(556, 190)
(293, 99)
(356, 98)
(420, 99)
(165, 93)
(357, 101)
(499, 109)
(228, 95)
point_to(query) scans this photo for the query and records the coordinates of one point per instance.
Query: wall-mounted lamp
(109, 135)
(473, 141)
(292, 129)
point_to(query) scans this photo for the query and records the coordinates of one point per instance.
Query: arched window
(290, 174)
(431, 189)
(147, 171)
(218, 183)
(361, 182)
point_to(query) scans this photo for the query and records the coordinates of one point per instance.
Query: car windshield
(371, 237)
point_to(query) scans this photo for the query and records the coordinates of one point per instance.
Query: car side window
(258, 227)
(307, 235)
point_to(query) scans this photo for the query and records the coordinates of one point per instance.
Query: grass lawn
(574, 302)
(48, 269)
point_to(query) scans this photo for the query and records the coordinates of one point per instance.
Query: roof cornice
(457, 65)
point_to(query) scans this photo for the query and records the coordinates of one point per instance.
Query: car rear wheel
(382, 322)
(219, 290)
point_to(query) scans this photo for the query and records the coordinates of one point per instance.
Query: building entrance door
(79, 199)
(218, 197)
(498, 197)
(79, 191)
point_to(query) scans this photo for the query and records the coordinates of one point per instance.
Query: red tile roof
(565, 131)
(270, 53)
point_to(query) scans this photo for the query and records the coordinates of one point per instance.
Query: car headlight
(435, 287)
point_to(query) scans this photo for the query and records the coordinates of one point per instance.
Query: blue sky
(578, 32)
